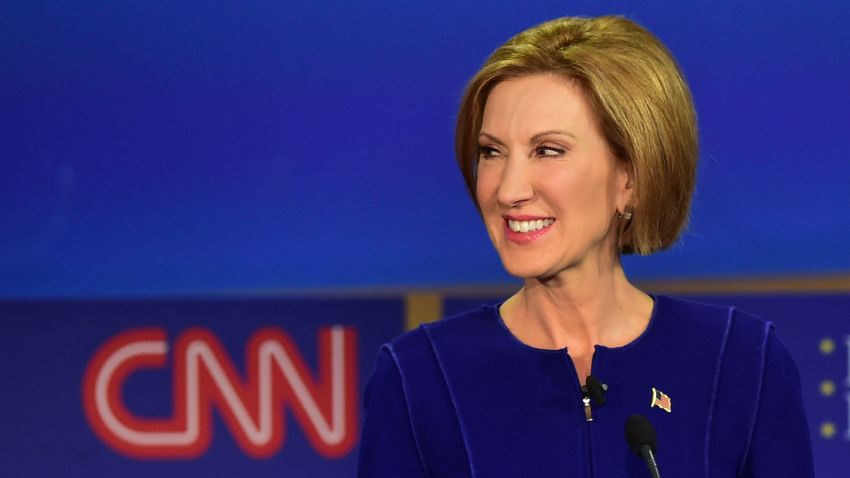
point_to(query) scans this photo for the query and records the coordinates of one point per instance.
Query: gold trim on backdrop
(761, 285)
(730, 285)
(422, 308)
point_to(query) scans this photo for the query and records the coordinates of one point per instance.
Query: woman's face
(548, 186)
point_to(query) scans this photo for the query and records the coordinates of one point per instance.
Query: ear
(625, 186)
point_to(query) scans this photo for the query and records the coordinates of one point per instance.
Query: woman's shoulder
(756, 385)
(457, 328)
(690, 316)
(748, 354)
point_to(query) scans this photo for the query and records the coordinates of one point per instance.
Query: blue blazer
(463, 397)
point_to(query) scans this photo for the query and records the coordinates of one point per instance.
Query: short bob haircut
(639, 97)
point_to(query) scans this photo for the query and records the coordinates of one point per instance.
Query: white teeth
(529, 226)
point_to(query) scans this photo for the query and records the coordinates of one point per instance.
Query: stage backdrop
(272, 387)
(200, 147)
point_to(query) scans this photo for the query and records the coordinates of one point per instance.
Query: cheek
(486, 186)
(580, 196)
(486, 193)
(564, 190)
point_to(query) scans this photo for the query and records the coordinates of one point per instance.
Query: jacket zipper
(588, 417)
(588, 414)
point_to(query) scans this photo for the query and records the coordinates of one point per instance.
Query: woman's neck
(578, 312)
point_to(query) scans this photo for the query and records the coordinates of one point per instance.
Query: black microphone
(641, 439)
(595, 390)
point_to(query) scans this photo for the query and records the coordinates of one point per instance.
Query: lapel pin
(660, 400)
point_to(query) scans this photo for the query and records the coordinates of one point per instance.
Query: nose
(515, 187)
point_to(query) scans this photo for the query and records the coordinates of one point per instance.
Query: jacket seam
(409, 411)
(720, 356)
(752, 425)
(454, 402)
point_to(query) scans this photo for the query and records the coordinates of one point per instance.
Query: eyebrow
(537, 137)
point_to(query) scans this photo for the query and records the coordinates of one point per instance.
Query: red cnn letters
(203, 377)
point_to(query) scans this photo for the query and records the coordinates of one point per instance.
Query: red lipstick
(525, 237)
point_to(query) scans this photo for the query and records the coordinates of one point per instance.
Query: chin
(527, 271)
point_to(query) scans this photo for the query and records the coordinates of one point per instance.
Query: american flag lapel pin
(660, 400)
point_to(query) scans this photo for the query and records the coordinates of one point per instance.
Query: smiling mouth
(529, 226)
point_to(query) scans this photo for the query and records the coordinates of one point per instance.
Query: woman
(578, 143)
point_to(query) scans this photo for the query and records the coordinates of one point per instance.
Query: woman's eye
(549, 151)
(485, 152)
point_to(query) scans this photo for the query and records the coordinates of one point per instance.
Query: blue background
(203, 147)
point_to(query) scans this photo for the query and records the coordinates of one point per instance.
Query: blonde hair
(639, 97)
